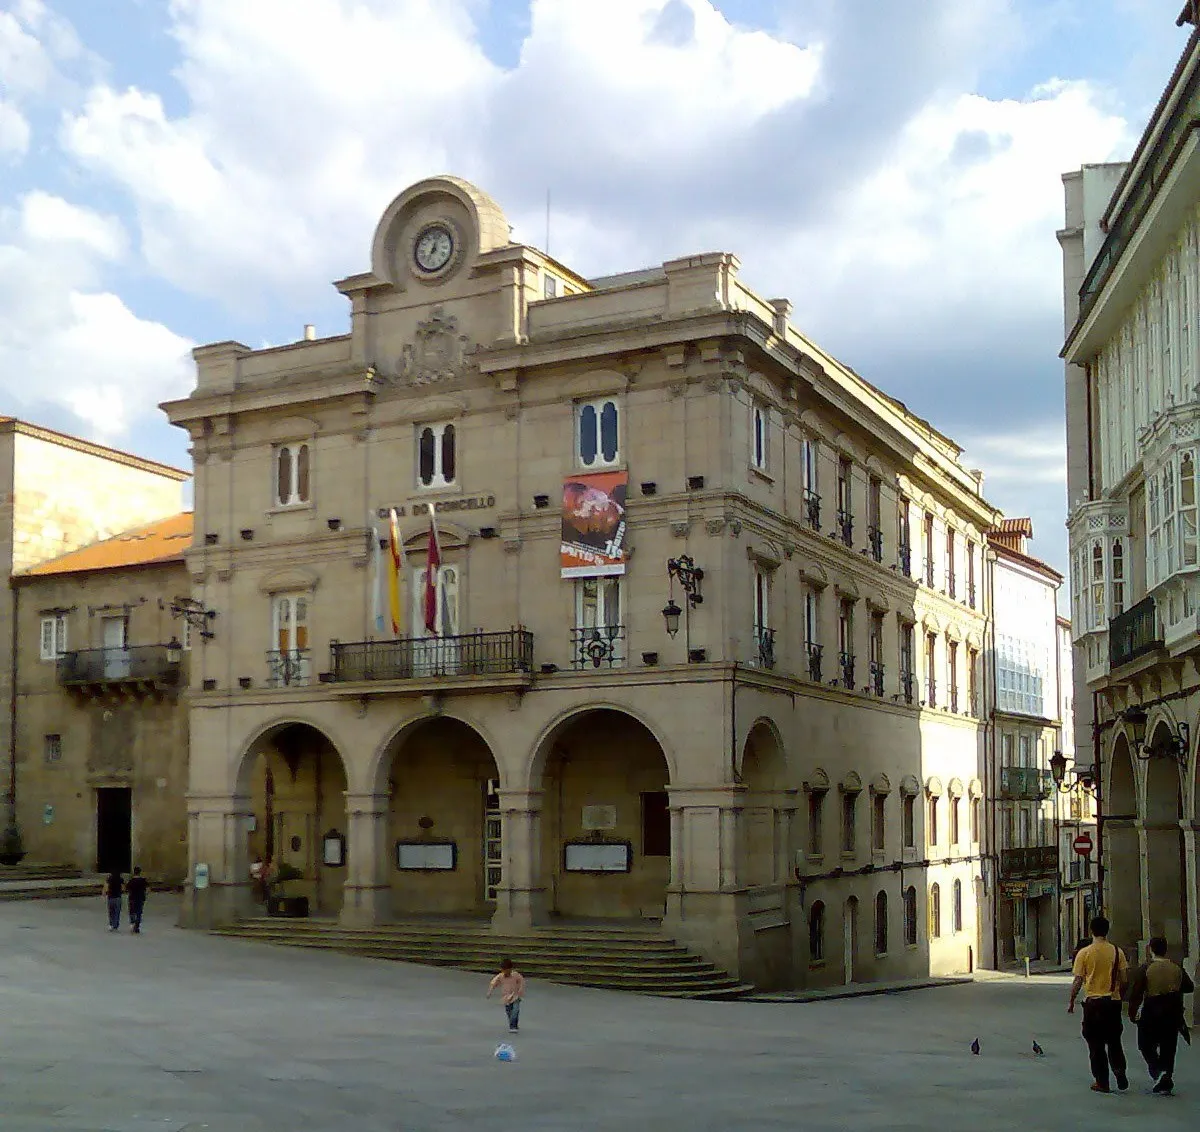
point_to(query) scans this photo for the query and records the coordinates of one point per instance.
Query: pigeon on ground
(1038, 1049)
(975, 1046)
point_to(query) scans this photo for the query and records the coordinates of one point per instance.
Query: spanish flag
(396, 565)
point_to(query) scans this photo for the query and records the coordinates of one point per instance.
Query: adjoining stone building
(57, 493)
(787, 774)
(102, 740)
(1131, 262)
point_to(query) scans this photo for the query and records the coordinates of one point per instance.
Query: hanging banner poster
(593, 524)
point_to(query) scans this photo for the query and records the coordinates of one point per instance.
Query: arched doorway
(1165, 862)
(444, 820)
(1122, 849)
(606, 829)
(296, 782)
(765, 832)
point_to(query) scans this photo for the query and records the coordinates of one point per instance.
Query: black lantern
(174, 651)
(671, 614)
(1135, 719)
(1058, 767)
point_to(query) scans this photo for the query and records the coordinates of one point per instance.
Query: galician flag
(433, 563)
(396, 566)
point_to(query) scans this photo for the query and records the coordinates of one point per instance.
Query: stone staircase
(46, 882)
(613, 958)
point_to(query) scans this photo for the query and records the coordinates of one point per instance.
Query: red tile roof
(156, 543)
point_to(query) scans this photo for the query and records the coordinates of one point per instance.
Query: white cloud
(14, 131)
(34, 43)
(46, 218)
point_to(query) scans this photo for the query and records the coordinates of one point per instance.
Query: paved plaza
(176, 1030)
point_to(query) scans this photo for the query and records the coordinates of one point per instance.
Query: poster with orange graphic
(593, 524)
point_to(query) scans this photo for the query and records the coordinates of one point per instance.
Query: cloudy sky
(183, 171)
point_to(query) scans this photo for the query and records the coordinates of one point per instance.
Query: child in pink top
(512, 989)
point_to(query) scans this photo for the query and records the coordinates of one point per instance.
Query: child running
(512, 989)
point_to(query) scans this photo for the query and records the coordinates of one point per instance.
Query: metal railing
(506, 653)
(906, 686)
(930, 691)
(289, 668)
(876, 678)
(971, 594)
(951, 587)
(597, 646)
(846, 664)
(814, 660)
(875, 543)
(146, 663)
(904, 559)
(1133, 633)
(1033, 860)
(1025, 782)
(764, 646)
(845, 527)
(812, 509)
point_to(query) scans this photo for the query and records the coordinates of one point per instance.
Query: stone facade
(792, 784)
(1132, 304)
(102, 739)
(59, 492)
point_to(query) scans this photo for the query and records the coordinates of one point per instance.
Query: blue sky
(194, 170)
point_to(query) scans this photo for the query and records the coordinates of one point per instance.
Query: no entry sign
(1083, 845)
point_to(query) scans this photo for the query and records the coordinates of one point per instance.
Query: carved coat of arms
(437, 351)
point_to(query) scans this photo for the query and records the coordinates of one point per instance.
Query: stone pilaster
(521, 901)
(367, 898)
(217, 838)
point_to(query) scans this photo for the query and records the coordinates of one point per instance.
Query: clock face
(434, 247)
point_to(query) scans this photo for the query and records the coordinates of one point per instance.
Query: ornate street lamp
(684, 570)
(671, 614)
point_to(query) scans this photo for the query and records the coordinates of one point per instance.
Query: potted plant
(278, 903)
(12, 849)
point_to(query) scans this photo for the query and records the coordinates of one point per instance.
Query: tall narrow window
(907, 650)
(849, 822)
(875, 649)
(599, 636)
(549, 286)
(759, 439)
(812, 492)
(291, 475)
(764, 635)
(881, 923)
(1187, 510)
(909, 821)
(904, 535)
(816, 932)
(812, 633)
(1118, 578)
(816, 818)
(974, 821)
(935, 911)
(878, 822)
(437, 456)
(952, 674)
(931, 670)
(930, 573)
(54, 636)
(1154, 521)
(958, 907)
(1170, 561)
(1098, 609)
(955, 827)
(874, 518)
(845, 501)
(973, 681)
(932, 832)
(910, 916)
(951, 580)
(597, 443)
(970, 573)
(290, 660)
(846, 641)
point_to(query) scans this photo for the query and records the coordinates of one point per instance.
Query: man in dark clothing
(1156, 1005)
(137, 899)
(113, 887)
(1100, 972)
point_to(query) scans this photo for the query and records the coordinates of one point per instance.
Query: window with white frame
(445, 603)
(1097, 585)
(599, 632)
(52, 748)
(54, 636)
(812, 618)
(437, 455)
(759, 437)
(1118, 577)
(290, 661)
(292, 475)
(549, 285)
(597, 433)
(808, 465)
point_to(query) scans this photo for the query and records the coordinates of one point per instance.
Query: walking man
(113, 887)
(136, 888)
(1100, 971)
(1156, 1005)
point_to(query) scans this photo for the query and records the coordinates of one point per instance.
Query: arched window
(816, 932)
(881, 924)
(910, 916)
(958, 919)
(935, 912)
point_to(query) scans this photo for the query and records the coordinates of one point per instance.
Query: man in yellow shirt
(1100, 972)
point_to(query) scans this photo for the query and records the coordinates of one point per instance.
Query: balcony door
(289, 635)
(116, 655)
(436, 651)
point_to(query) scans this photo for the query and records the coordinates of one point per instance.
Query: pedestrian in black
(114, 886)
(1101, 972)
(1156, 1005)
(136, 888)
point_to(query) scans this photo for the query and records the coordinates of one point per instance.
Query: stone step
(581, 955)
(35, 871)
(36, 891)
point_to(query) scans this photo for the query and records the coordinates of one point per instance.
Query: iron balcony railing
(971, 594)
(812, 508)
(907, 683)
(506, 653)
(951, 586)
(1033, 860)
(845, 527)
(904, 559)
(764, 646)
(289, 668)
(814, 660)
(1024, 782)
(846, 664)
(1133, 633)
(876, 678)
(141, 663)
(930, 692)
(597, 646)
(875, 543)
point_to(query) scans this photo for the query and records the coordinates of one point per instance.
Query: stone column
(521, 901)
(677, 880)
(1124, 898)
(367, 899)
(1192, 893)
(217, 839)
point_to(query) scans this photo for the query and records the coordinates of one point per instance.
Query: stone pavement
(180, 1031)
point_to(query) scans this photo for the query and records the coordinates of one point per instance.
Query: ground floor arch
(605, 825)
(295, 780)
(1122, 852)
(1165, 849)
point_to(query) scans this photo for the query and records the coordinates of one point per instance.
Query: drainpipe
(12, 709)
(991, 777)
